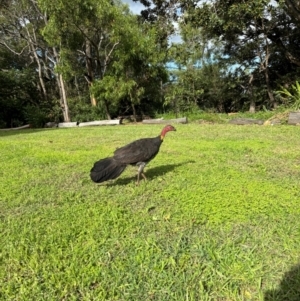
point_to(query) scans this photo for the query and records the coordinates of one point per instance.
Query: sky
(136, 8)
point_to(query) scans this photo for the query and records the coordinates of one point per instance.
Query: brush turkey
(138, 153)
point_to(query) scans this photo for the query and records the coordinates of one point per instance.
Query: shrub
(82, 111)
(291, 98)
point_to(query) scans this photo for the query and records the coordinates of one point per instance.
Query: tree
(161, 17)
(292, 7)
(243, 27)
(131, 77)
(91, 29)
(112, 49)
(19, 94)
(195, 56)
(21, 25)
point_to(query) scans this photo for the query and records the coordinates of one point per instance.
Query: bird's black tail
(106, 169)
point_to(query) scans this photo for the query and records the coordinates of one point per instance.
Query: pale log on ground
(100, 122)
(243, 121)
(67, 124)
(165, 121)
(27, 126)
(294, 118)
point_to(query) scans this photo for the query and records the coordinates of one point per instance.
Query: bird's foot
(141, 166)
(138, 180)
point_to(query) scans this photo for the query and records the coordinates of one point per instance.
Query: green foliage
(38, 114)
(102, 40)
(185, 93)
(254, 40)
(35, 116)
(291, 96)
(197, 116)
(208, 116)
(17, 91)
(216, 220)
(116, 70)
(82, 111)
(111, 88)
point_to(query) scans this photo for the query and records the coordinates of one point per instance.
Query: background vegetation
(218, 218)
(64, 60)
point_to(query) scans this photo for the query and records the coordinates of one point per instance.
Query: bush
(291, 98)
(36, 116)
(82, 110)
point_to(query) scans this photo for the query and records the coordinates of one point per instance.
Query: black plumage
(138, 152)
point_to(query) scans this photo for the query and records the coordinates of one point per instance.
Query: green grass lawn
(218, 218)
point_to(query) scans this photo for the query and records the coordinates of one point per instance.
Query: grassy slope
(218, 218)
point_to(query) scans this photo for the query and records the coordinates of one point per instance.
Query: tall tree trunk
(32, 41)
(89, 68)
(62, 99)
(273, 102)
(252, 106)
(66, 112)
(106, 108)
(252, 101)
(62, 92)
(265, 67)
(132, 106)
(93, 100)
(134, 112)
(175, 107)
(40, 72)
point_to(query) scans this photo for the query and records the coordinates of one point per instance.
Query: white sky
(136, 8)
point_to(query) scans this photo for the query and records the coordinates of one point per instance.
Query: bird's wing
(142, 150)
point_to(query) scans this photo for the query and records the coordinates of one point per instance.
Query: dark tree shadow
(4, 133)
(289, 289)
(150, 173)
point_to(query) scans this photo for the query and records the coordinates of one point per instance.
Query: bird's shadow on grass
(150, 173)
(289, 289)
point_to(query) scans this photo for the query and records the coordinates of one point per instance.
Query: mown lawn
(218, 218)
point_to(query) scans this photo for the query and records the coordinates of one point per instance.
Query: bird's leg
(141, 166)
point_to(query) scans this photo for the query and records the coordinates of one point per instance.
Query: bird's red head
(165, 130)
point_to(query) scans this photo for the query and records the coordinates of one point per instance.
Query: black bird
(138, 152)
